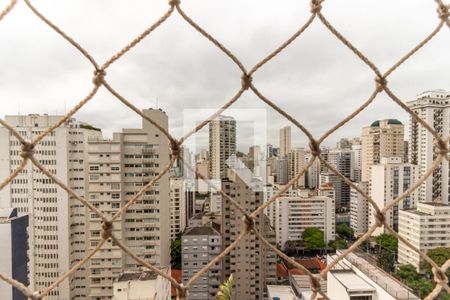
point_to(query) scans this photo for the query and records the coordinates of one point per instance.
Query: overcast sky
(316, 79)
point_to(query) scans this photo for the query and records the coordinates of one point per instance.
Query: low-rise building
(281, 292)
(426, 227)
(200, 244)
(145, 285)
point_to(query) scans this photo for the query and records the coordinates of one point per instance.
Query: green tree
(386, 260)
(439, 255)
(338, 244)
(225, 289)
(175, 253)
(345, 231)
(313, 238)
(387, 241)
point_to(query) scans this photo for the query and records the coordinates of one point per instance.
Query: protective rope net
(99, 80)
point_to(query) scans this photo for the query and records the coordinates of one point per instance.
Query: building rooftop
(352, 282)
(389, 121)
(282, 292)
(141, 276)
(201, 230)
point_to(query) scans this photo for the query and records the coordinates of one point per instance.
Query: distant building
(343, 161)
(359, 209)
(285, 141)
(142, 285)
(354, 278)
(357, 165)
(178, 207)
(312, 174)
(383, 138)
(200, 244)
(296, 162)
(13, 249)
(222, 145)
(282, 171)
(434, 108)
(389, 180)
(341, 190)
(426, 227)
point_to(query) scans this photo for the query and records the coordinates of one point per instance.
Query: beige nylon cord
(247, 84)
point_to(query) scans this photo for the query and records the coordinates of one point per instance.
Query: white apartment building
(222, 145)
(389, 180)
(295, 214)
(313, 172)
(178, 218)
(426, 227)
(142, 285)
(359, 209)
(285, 141)
(434, 108)
(118, 169)
(57, 227)
(383, 138)
(296, 162)
(357, 166)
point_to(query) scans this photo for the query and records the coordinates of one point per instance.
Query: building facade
(359, 209)
(222, 145)
(57, 221)
(253, 266)
(13, 247)
(383, 138)
(285, 141)
(434, 108)
(118, 169)
(296, 163)
(426, 227)
(201, 244)
(389, 180)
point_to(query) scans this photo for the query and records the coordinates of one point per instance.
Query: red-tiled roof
(281, 271)
(176, 274)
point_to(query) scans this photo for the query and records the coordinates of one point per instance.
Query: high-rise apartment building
(313, 172)
(118, 169)
(57, 227)
(200, 245)
(426, 227)
(285, 141)
(389, 180)
(296, 162)
(383, 138)
(282, 171)
(222, 145)
(253, 265)
(13, 249)
(434, 108)
(343, 161)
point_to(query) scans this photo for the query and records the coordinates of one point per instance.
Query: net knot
(439, 276)
(441, 147)
(443, 12)
(99, 75)
(175, 147)
(315, 148)
(246, 81)
(26, 150)
(379, 218)
(174, 2)
(182, 292)
(316, 6)
(249, 223)
(36, 296)
(107, 227)
(381, 83)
